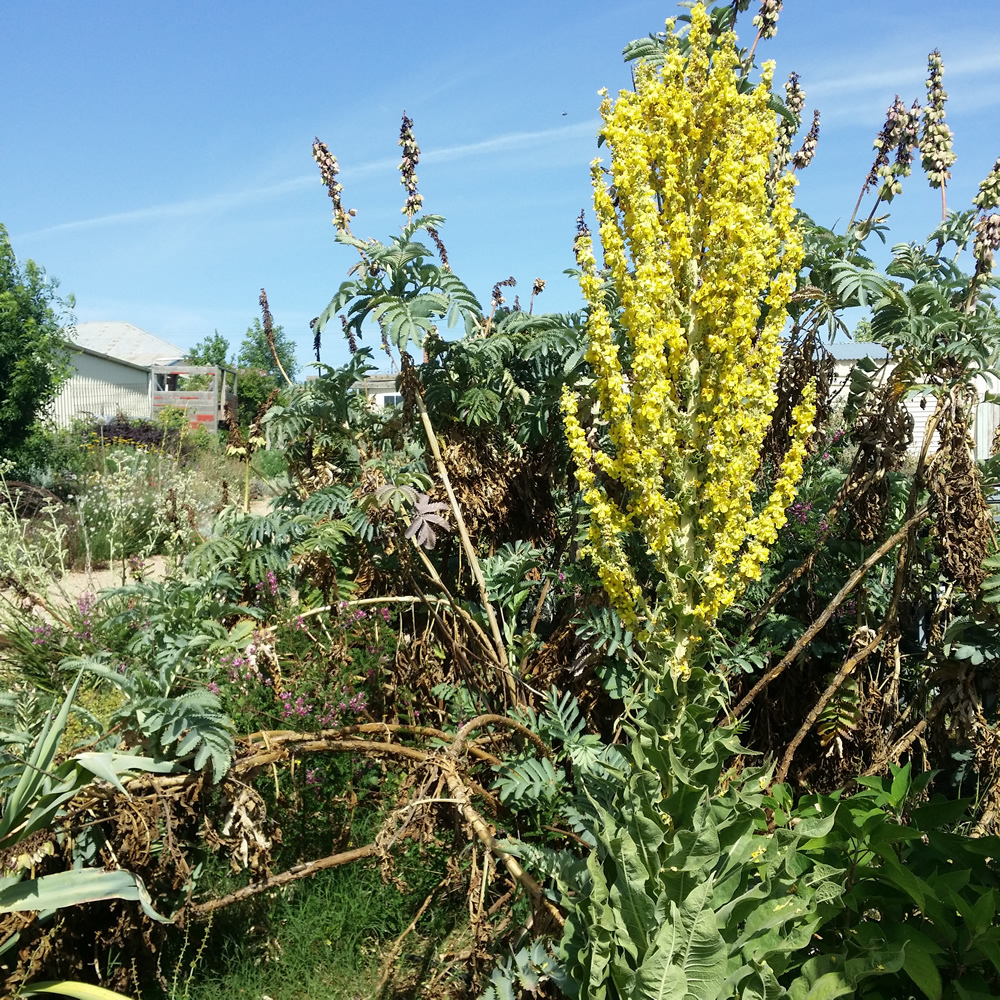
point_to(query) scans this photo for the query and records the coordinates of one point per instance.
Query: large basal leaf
(685, 963)
(52, 892)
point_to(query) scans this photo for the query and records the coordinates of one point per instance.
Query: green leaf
(52, 892)
(920, 967)
(67, 988)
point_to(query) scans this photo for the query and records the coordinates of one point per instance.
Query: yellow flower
(695, 246)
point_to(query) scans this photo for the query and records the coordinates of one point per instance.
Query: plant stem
(463, 532)
(817, 626)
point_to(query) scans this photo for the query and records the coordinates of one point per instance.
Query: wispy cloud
(512, 141)
(226, 200)
(901, 74)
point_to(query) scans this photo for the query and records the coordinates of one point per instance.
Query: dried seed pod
(883, 432)
(963, 529)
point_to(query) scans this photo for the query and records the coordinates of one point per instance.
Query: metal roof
(124, 342)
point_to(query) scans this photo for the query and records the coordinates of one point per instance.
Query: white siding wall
(985, 420)
(102, 387)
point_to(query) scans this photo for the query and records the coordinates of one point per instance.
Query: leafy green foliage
(33, 795)
(34, 354)
(400, 288)
(211, 350)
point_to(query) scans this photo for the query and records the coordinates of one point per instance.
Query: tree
(34, 354)
(255, 352)
(259, 375)
(213, 350)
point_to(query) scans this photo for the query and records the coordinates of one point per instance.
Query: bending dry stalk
(810, 633)
(292, 875)
(463, 532)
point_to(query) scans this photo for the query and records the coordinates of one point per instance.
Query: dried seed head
(352, 342)
(439, 243)
(988, 195)
(267, 319)
(317, 336)
(328, 170)
(766, 21)
(498, 299)
(935, 144)
(804, 156)
(408, 168)
(538, 287)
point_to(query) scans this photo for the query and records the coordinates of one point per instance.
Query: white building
(111, 375)
(920, 407)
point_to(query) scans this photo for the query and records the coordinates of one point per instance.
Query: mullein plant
(703, 259)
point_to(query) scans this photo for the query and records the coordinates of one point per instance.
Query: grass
(324, 939)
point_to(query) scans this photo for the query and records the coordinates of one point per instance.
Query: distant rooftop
(125, 342)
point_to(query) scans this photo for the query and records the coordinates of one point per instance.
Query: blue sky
(155, 157)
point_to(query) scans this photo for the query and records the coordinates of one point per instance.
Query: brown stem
(850, 664)
(824, 699)
(497, 720)
(279, 742)
(459, 611)
(901, 745)
(275, 881)
(539, 900)
(810, 633)
(331, 746)
(857, 205)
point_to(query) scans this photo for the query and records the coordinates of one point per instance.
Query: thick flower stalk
(704, 263)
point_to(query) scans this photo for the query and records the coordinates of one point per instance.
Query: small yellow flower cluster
(704, 262)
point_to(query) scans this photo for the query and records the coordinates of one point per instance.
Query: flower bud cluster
(766, 21)
(988, 195)
(795, 101)
(935, 143)
(408, 168)
(328, 170)
(985, 244)
(900, 133)
(804, 156)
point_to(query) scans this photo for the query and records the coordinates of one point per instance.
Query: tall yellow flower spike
(695, 248)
